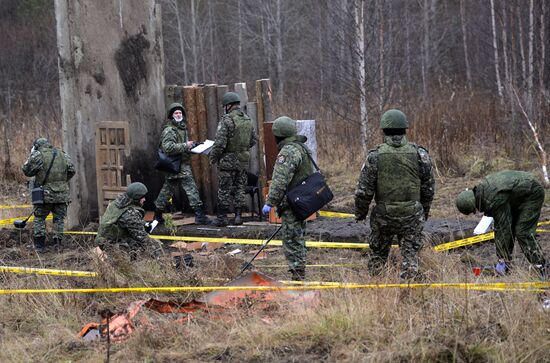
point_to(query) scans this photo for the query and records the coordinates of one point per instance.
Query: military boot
(221, 219)
(298, 273)
(56, 240)
(40, 244)
(158, 216)
(201, 218)
(238, 217)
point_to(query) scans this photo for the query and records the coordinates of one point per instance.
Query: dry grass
(347, 325)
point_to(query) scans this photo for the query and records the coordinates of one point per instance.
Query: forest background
(472, 76)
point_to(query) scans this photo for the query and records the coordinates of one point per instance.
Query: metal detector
(260, 250)
(20, 224)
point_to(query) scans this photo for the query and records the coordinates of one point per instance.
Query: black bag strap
(50, 167)
(309, 155)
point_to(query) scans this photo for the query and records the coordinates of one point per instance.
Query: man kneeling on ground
(122, 223)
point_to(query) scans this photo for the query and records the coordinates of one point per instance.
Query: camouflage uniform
(291, 167)
(231, 151)
(56, 188)
(122, 223)
(398, 174)
(173, 141)
(514, 199)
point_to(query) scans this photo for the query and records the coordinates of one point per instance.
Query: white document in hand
(203, 148)
(483, 225)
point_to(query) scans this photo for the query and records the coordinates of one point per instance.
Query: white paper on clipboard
(203, 148)
(483, 225)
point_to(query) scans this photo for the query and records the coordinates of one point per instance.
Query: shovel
(18, 223)
(260, 250)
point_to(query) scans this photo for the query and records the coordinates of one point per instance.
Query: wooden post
(190, 105)
(254, 161)
(240, 89)
(202, 124)
(263, 98)
(212, 117)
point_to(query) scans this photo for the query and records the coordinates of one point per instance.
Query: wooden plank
(192, 129)
(112, 148)
(202, 124)
(260, 84)
(212, 117)
(240, 89)
(271, 150)
(254, 161)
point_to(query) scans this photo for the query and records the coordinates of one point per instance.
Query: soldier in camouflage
(293, 165)
(231, 151)
(398, 175)
(514, 199)
(175, 141)
(122, 223)
(56, 188)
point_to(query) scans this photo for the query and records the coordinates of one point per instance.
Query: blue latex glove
(501, 268)
(266, 209)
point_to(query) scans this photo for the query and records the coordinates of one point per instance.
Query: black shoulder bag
(168, 163)
(310, 195)
(37, 193)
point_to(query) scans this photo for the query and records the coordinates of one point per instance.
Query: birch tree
(465, 44)
(495, 51)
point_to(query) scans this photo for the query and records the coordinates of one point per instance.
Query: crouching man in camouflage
(398, 175)
(122, 223)
(514, 199)
(52, 169)
(292, 166)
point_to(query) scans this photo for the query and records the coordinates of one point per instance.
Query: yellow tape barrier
(244, 241)
(325, 213)
(46, 271)
(498, 286)
(20, 206)
(442, 247)
(11, 220)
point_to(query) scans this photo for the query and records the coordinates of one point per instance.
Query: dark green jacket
(234, 138)
(292, 166)
(56, 187)
(122, 222)
(173, 142)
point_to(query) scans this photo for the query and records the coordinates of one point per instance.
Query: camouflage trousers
(294, 243)
(408, 230)
(232, 185)
(59, 211)
(170, 186)
(521, 223)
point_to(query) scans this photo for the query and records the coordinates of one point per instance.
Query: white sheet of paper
(203, 148)
(483, 225)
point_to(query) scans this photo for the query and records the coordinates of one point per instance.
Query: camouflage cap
(466, 202)
(394, 119)
(284, 127)
(136, 190)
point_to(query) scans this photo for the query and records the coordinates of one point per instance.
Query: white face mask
(178, 118)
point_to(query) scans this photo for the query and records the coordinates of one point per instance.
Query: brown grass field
(467, 140)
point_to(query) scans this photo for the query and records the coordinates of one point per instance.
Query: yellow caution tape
(245, 241)
(441, 247)
(464, 242)
(46, 271)
(499, 286)
(21, 206)
(31, 219)
(329, 214)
